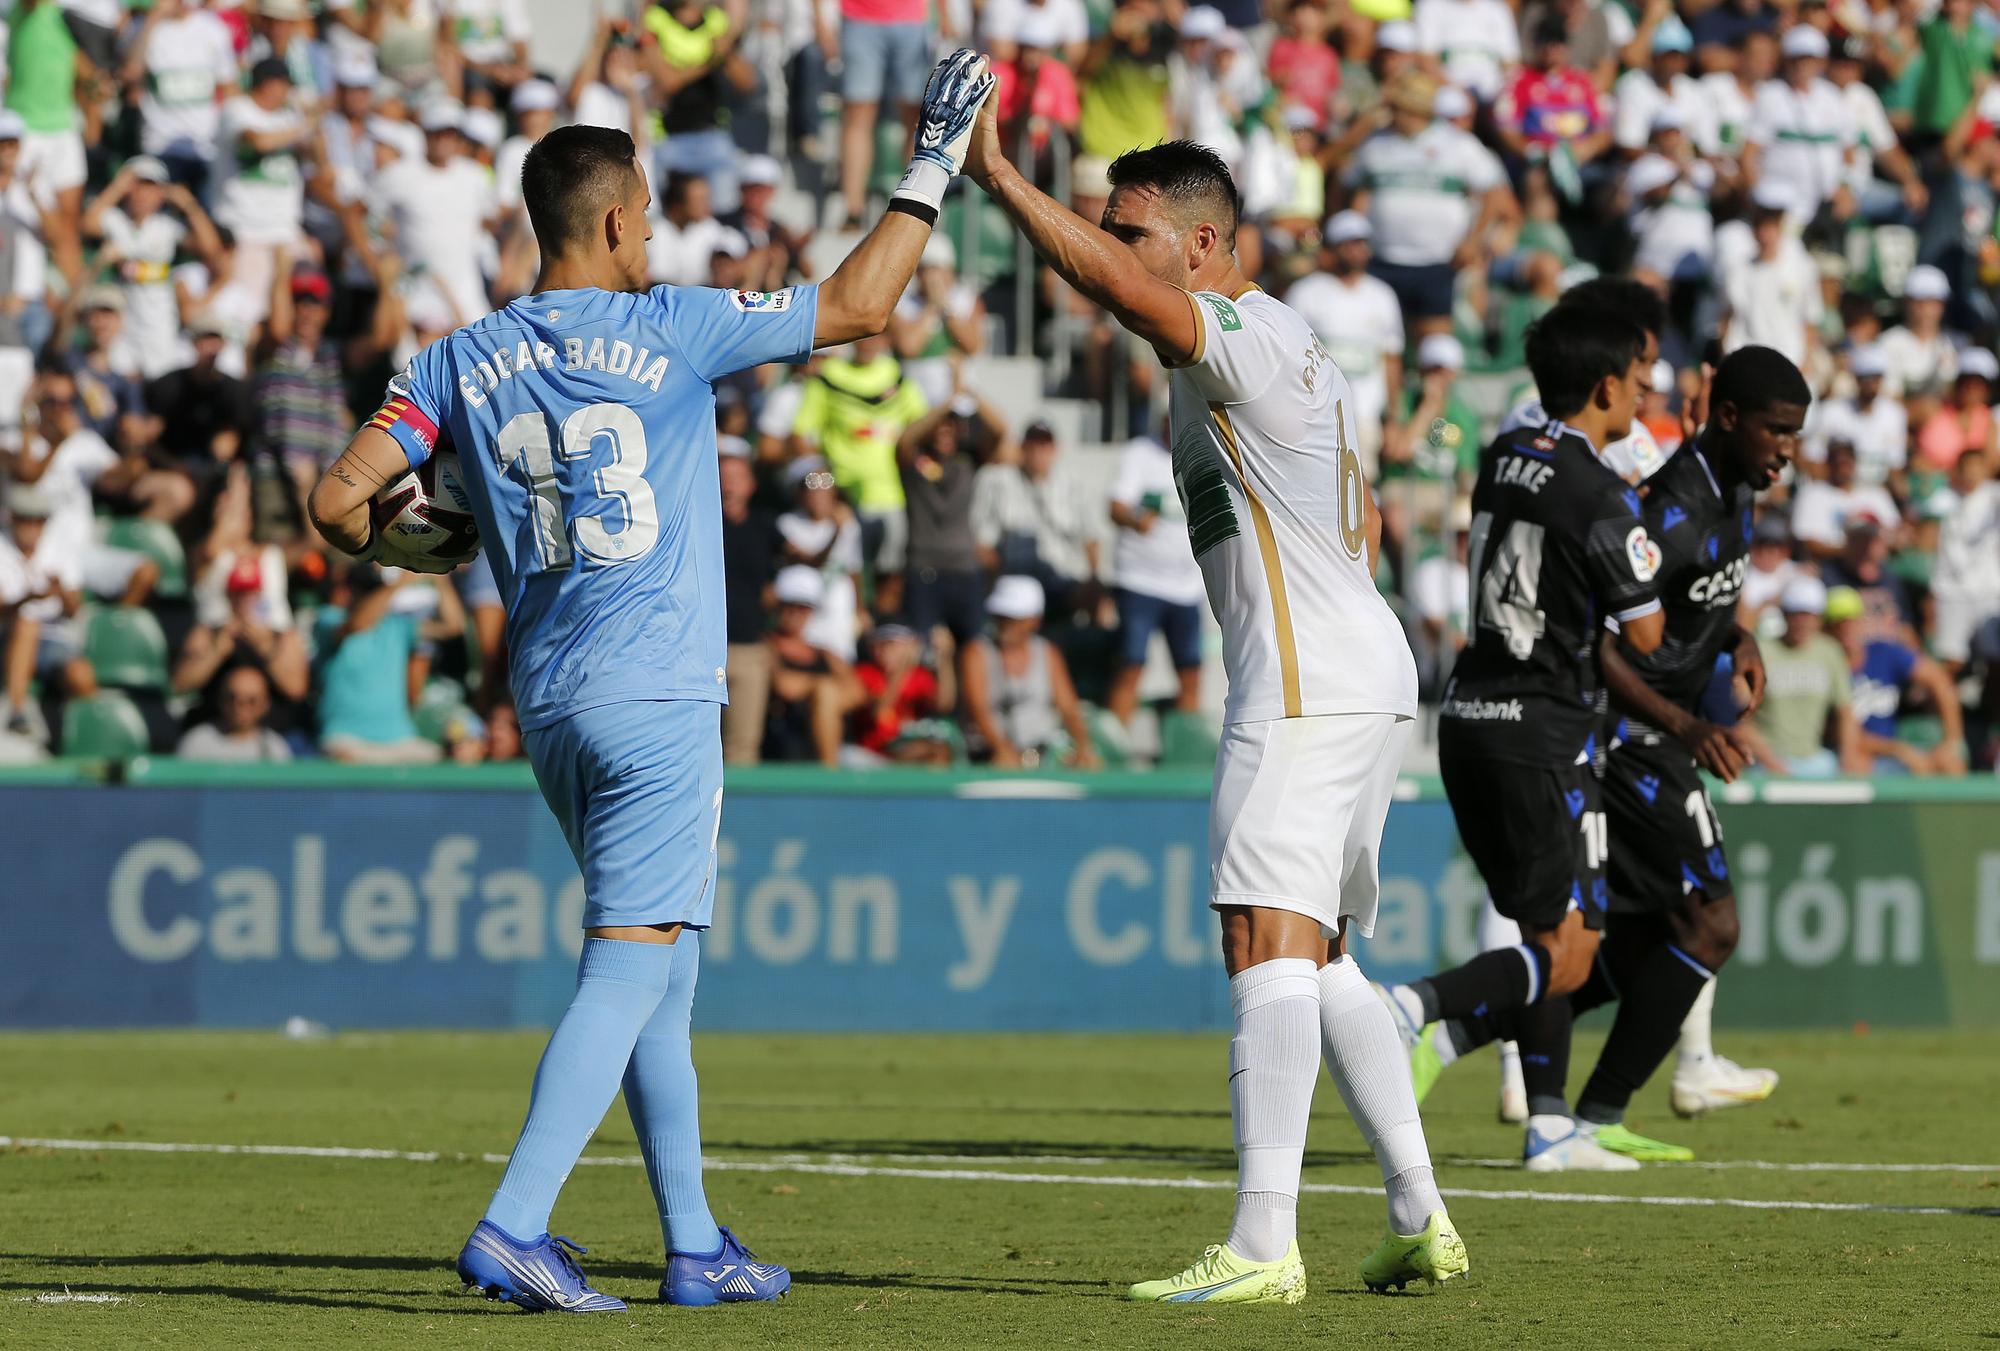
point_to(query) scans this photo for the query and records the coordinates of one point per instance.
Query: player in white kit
(1322, 690)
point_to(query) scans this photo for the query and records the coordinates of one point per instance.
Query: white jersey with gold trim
(1264, 446)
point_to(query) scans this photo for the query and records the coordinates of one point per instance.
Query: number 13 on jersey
(620, 520)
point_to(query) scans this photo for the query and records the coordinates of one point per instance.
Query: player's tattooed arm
(1722, 751)
(339, 502)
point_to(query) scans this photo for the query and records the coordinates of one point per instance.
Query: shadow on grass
(1222, 1158)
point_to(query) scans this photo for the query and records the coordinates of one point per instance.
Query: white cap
(1926, 283)
(1440, 350)
(12, 127)
(939, 251)
(732, 447)
(535, 96)
(1803, 595)
(148, 169)
(1451, 102)
(30, 500)
(1867, 362)
(1203, 21)
(1016, 597)
(1667, 118)
(1803, 40)
(1039, 26)
(1298, 117)
(1343, 226)
(1398, 35)
(730, 242)
(483, 126)
(799, 585)
(1649, 174)
(1771, 195)
(1978, 361)
(356, 70)
(1663, 377)
(759, 171)
(441, 115)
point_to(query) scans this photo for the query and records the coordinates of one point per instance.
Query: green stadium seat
(1108, 737)
(127, 647)
(440, 703)
(1186, 742)
(106, 726)
(157, 541)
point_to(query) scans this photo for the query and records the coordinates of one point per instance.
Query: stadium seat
(441, 702)
(157, 541)
(106, 726)
(1108, 736)
(127, 647)
(1186, 742)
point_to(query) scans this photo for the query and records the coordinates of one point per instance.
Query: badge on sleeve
(762, 302)
(1642, 553)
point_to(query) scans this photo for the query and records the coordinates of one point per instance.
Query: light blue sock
(618, 985)
(661, 1096)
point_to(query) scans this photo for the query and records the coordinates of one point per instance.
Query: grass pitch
(945, 1192)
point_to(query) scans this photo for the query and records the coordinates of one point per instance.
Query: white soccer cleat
(1714, 1082)
(1513, 1089)
(1558, 1144)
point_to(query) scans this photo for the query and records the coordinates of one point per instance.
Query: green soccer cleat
(1436, 1255)
(1425, 1062)
(1221, 1277)
(1619, 1140)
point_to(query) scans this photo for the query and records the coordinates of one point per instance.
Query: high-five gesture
(958, 89)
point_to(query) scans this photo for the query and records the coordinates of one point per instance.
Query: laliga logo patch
(762, 302)
(1643, 554)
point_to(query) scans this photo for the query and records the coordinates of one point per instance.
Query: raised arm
(339, 502)
(1101, 267)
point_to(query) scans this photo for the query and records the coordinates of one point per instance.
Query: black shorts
(1665, 839)
(1535, 834)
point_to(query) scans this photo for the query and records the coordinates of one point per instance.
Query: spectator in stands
(854, 411)
(23, 284)
(1822, 508)
(1213, 84)
(1037, 92)
(436, 206)
(1124, 81)
(1772, 298)
(694, 63)
(299, 398)
(1360, 323)
(750, 553)
(1965, 422)
(1898, 195)
(1771, 570)
(1431, 192)
(204, 413)
(1965, 584)
(885, 56)
(1303, 67)
(939, 321)
(141, 237)
(106, 368)
(1921, 356)
(1029, 519)
(820, 531)
(1886, 676)
(1863, 565)
(938, 456)
(685, 233)
(1440, 594)
(901, 718)
(812, 690)
(1423, 473)
(42, 72)
(183, 62)
(41, 581)
(1551, 103)
(1877, 426)
(268, 151)
(1156, 582)
(365, 653)
(483, 47)
(249, 634)
(1801, 134)
(1807, 692)
(236, 734)
(776, 249)
(1643, 93)
(1021, 709)
(1476, 42)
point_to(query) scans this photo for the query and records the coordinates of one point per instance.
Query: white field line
(981, 1175)
(66, 1297)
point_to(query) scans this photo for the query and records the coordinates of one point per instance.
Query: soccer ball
(424, 519)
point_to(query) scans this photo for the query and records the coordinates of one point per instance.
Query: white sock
(1697, 1028)
(1372, 1072)
(1273, 1066)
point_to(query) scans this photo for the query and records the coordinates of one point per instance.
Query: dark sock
(1600, 989)
(1505, 978)
(1544, 1031)
(1658, 992)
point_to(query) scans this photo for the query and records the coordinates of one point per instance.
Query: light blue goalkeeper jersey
(584, 423)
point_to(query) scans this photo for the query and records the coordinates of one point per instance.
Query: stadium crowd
(224, 226)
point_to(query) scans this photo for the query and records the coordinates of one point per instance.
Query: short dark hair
(571, 177)
(1572, 348)
(1621, 295)
(1754, 378)
(1191, 176)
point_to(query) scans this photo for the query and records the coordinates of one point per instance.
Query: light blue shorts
(637, 789)
(884, 61)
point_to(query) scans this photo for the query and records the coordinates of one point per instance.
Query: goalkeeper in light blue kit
(584, 421)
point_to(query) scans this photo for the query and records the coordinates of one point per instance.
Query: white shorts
(1296, 821)
(52, 162)
(1955, 620)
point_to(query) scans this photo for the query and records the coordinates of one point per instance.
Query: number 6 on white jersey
(526, 439)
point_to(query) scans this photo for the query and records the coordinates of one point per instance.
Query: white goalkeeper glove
(952, 100)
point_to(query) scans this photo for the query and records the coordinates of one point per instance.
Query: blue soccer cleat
(731, 1274)
(541, 1277)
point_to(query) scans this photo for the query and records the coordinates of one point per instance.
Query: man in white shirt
(1801, 133)
(183, 60)
(141, 239)
(260, 194)
(1359, 322)
(1154, 576)
(1478, 41)
(1823, 509)
(1430, 190)
(1966, 583)
(534, 104)
(1773, 300)
(685, 233)
(1878, 427)
(1921, 357)
(489, 38)
(1669, 216)
(1641, 95)
(238, 736)
(438, 208)
(1875, 143)
(1029, 519)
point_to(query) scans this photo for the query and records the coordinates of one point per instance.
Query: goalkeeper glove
(952, 99)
